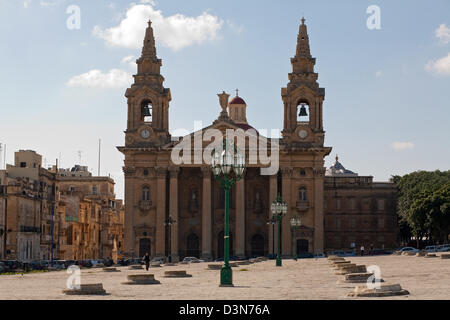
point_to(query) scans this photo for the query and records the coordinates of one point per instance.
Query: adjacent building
(44, 213)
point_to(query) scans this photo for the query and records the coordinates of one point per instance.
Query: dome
(237, 100)
(337, 169)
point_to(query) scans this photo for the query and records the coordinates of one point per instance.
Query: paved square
(424, 278)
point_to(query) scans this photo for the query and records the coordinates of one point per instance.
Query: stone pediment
(221, 125)
(304, 90)
(146, 90)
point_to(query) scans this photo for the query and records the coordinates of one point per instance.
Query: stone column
(173, 212)
(206, 213)
(160, 239)
(286, 237)
(273, 192)
(318, 210)
(240, 219)
(129, 236)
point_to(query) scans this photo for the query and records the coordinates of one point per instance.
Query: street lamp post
(169, 222)
(272, 222)
(228, 167)
(279, 210)
(296, 223)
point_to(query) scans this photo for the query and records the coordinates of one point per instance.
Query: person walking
(362, 251)
(146, 259)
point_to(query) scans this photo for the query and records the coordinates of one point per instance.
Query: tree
(423, 203)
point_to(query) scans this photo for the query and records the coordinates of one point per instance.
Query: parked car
(12, 265)
(69, 263)
(36, 265)
(188, 260)
(319, 255)
(305, 255)
(2, 267)
(408, 249)
(430, 248)
(158, 260)
(443, 248)
(379, 252)
(339, 253)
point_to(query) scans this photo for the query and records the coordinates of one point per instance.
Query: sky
(65, 66)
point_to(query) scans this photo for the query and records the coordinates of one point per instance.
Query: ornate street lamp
(169, 222)
(228, 167)
(296, 223)
(279, 210)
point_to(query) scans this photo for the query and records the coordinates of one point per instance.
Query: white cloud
(440, 66)
(379, 73)
(130, 61)
(114, 78)
(402, 145)
(51, 3)
(176, 32)
(26, 4)
(238, 29)
(443, 34)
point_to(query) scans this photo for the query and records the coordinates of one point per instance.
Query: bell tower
(148, 100)
(302, 98)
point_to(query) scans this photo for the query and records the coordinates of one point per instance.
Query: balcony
(145, 205)
(30, 229)
(302, 205)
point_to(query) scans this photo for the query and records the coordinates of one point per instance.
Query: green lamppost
(296, 223)
(279, 210)
(228, 167)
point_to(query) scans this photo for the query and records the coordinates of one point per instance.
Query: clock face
(303, 134)
(145, 134)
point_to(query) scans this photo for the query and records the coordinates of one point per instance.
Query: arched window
(146, 193)
(303, 111)
(302, 194)
(147, 110)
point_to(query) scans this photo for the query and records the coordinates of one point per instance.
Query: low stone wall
(385, 290)
(87, 289)
(358, 278)
(177, 274)
(141, 279)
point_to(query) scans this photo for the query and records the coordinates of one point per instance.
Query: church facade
(177, 210)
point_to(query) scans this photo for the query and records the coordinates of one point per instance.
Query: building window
(380, 204)
(302, 194)
(381, 223)
(147, 109)
(94, 190)
(145, 172)
(303, 111)
(302, 172)
(338, 204)
(353, 223)
(352, 204)
(338, 223)
(146, 193)
(23, 164)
